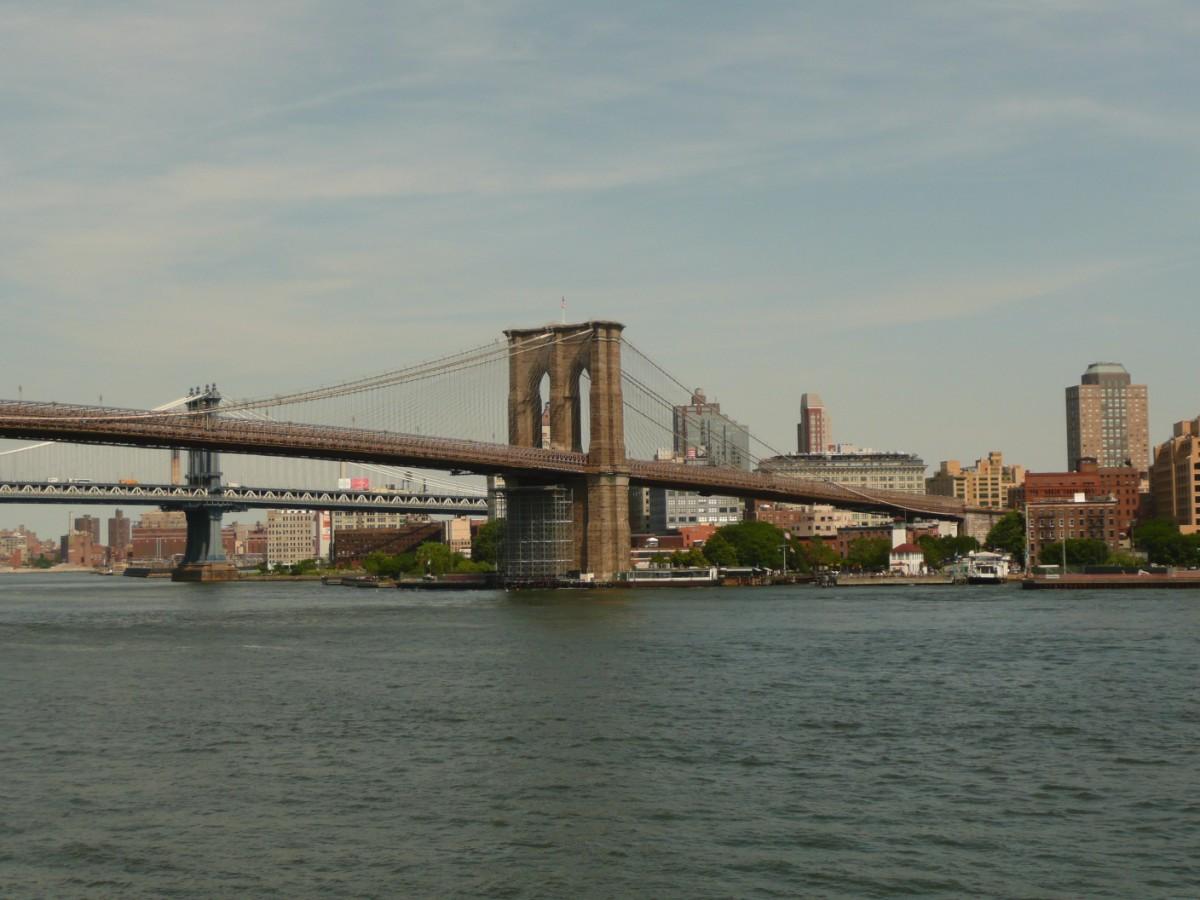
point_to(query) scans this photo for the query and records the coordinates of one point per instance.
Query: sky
(933, 214)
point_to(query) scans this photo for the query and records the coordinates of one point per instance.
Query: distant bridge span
(239, 497)
(144, 428)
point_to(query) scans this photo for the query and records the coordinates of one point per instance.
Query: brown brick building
(1053, 520)
(1108, 419)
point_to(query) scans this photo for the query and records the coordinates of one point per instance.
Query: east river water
(295, 740)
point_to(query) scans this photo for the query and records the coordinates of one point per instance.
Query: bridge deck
(141, 428)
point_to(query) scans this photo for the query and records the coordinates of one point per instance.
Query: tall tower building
(813, 431)
(1108, 419)
(704, 433)
(89, 524)
(120, 536)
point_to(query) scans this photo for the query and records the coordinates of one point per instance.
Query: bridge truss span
(178, 496)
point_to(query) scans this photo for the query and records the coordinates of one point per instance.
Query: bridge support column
(599, 500)
(204, 557)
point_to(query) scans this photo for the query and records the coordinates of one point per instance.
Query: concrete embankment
(891, 580)
(1180, 581)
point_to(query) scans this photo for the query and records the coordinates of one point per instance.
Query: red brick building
(847, 536)
(352, 545)
(170, 543)
(1121, 483)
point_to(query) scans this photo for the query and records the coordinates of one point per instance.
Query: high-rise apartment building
(812, 433)
(986, 484)
(704, 433)
(703, 436)
(1108, 419)
(1175, 477)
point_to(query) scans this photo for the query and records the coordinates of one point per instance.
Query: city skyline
(934, 217)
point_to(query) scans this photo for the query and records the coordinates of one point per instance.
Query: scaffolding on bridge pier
(539, 535)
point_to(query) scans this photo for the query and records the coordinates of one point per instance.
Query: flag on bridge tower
(563, 307)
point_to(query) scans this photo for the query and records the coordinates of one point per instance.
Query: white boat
(980, 567)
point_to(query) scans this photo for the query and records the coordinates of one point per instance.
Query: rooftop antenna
(563, 307)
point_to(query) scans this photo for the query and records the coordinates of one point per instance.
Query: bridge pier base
(605, 539)
(204, 559)
(205, 572)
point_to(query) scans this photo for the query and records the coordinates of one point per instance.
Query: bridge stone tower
(204, 556)
(601, 498)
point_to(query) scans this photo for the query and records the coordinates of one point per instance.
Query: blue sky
(933, 214)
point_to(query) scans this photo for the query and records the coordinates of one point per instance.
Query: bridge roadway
(144, 428)
(237, 498)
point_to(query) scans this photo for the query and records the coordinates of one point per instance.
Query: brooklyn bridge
(479, 412)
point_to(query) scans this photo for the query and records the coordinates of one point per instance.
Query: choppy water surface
(295, 740)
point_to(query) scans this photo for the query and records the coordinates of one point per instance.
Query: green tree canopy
(435, 558)
(691, 558)
(816, 554)
(1008, 535)
(485, 547)
(756, 543)
(718, 551)
(871, 554)
(1164, 545)
(1080, 552)
(940, 550)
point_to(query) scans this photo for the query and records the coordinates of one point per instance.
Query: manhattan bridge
(435, 430)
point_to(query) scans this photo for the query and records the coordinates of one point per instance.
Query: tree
(756, 543)
(718, 551)
(1164, 545)
(816, 554)
(41, 562)
(1008, 535)
(869, 553)
(485, 548)
(1080, 552)
(436, 559)
(939, 550)
(932, 548)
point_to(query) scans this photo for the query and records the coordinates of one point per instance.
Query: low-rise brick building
(1050, 521)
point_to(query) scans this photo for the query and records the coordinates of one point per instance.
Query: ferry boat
(681, 577)
(980, 567)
